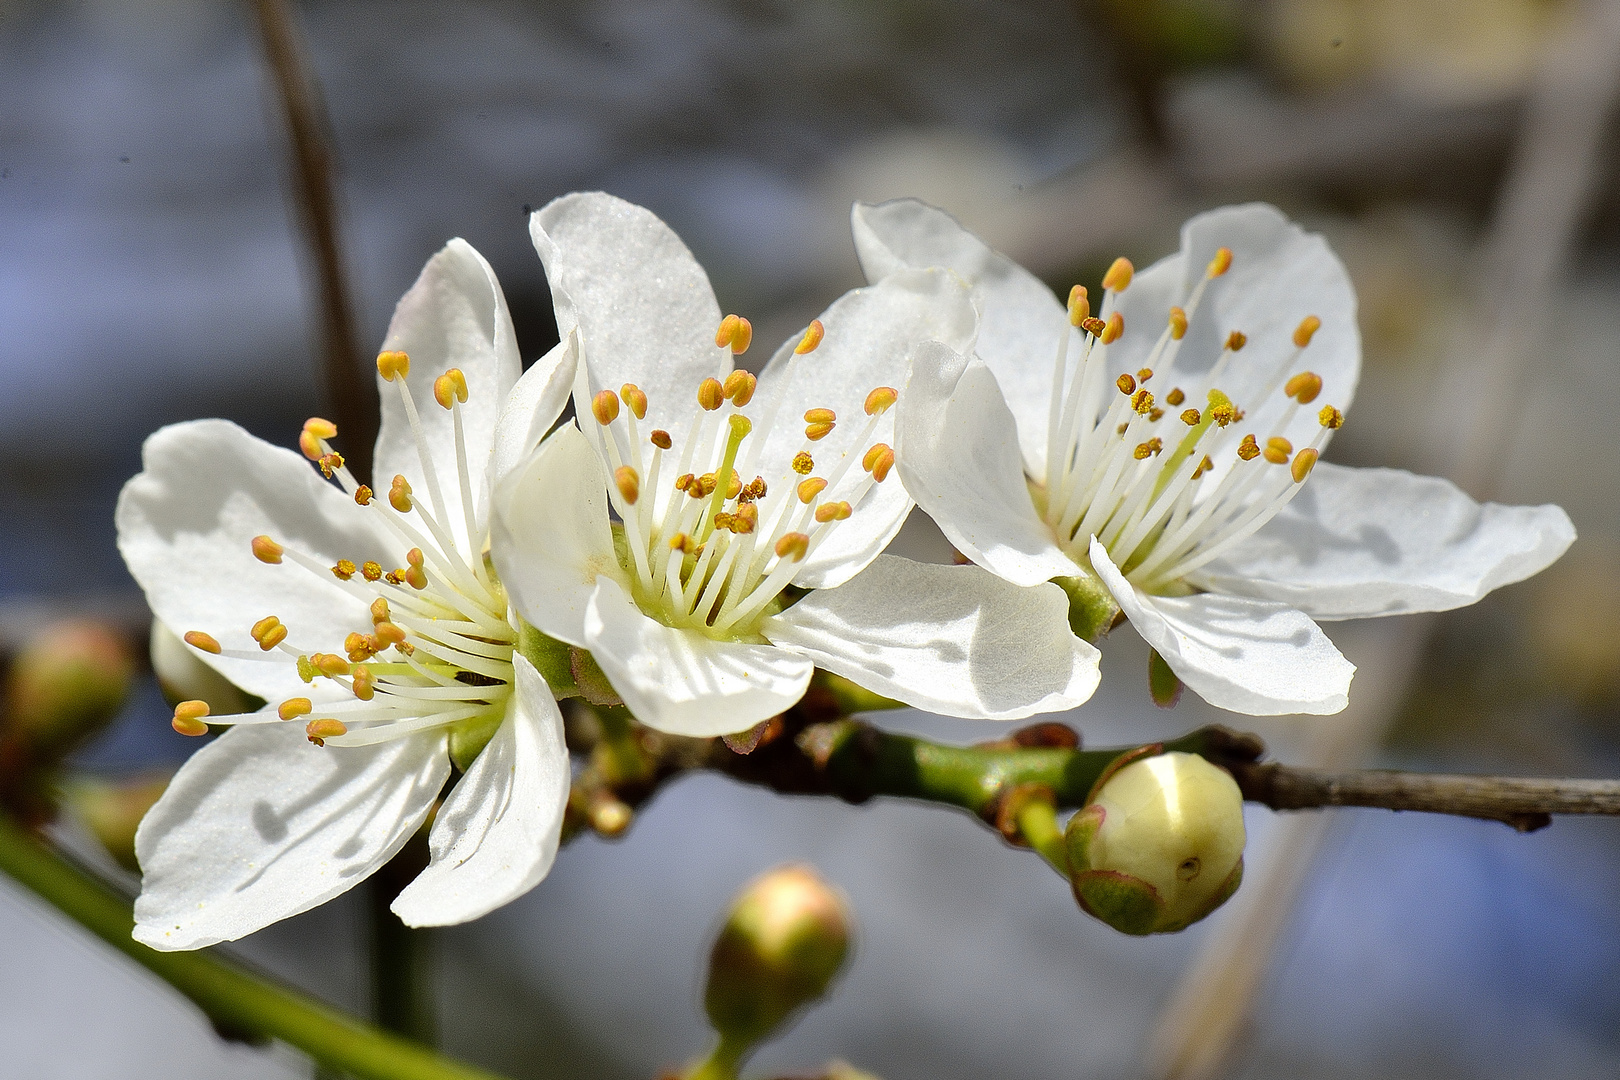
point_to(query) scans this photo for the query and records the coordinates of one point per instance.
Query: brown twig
(352, 396)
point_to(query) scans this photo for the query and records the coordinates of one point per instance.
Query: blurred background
(1459, 155)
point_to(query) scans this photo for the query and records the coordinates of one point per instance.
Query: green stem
(230, 996)
(1037, 822)
(721, 1064)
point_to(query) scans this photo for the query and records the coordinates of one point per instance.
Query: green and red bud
(1159, 844)
(66, 683)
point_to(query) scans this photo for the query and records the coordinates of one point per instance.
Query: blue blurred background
(151, 270)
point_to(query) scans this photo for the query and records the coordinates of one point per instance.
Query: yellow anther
(1123, 428)
(330, 463)
(1143, 402)
(745, 519)
(1220, 264)
(1126, 384)
(1155, 415)
(1175, 397)
(1203, 467)
(711, 395)
(389, 634)
(266, 550)
(1118, 278)
(878, 461)
(834, 511)
(321, 429)
(681, 542)
(1304, 462)
(1236, 340)
(365, 684)
(1190, 417)
(395, 576)
(819, 416)
(803, 463)
(1307, 328)
(399, 494)
(1278, 449)
(379, 611)
(199, 640)
(1221, 408)
(605, 407)
(306, 670)
(1144, 374)
(363, 495)
(330, 664)
(450, 388)
(817, 432)
(812, 337)
(1093, 325)
(1178, 324)
(343, 569)
(1248, 449)
(1304, 386)
(1330, 417)
(1079, 305)
(735, 331)
(734, 486)
(188, 718)
(360, 647)
(881, 400)
(628, 481)
(793, 545)
(415, 576)
(318, 731)
(269, 632)
(293, 708)
(390, 364)
(1115, 327)
(809, 489)
(871, 456)
(703, 486)
(371, 570)
(310, 446)
(754, 490)
(660, 438)
(414, 557)
(635, 399)
(1146, 450)
(739, 388)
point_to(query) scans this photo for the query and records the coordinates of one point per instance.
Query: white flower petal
(495, 837)
(682, 682)
(643, 306)
(549, 536)
(533, 407)
(260, 825)
(869, 335)
(1279, 275)
(455, 316)
(1360, 542)
(957, 454)
(954, 640)
(1021, 322)
(1237, 653)
(185, 526)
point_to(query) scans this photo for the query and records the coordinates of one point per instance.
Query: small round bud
(785, 938)
(66, 683)
(1160, 843)
(112, 809)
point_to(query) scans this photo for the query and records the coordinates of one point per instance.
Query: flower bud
(1160, 843)
(67, 682)
(184, 676)
(784, 940)
(111, 810)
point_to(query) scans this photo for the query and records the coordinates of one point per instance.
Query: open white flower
(1154, 458)
(751, 513)
(373, 628)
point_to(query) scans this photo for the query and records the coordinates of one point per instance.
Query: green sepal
(1128, 904)
(1163, 683)
(1079, 833)
(850, 697)
(1092, 608)
(590, 679)
(469, 737)
(550, 658)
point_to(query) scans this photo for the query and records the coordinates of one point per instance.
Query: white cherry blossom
(1160, 458)
(711, 538)
(373, 628)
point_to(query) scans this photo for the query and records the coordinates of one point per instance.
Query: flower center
(707, 550)
(438, 650)
(1167, 487)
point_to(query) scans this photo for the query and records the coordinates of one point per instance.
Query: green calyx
(1092, 608)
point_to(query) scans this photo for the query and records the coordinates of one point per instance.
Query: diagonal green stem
(228, 994)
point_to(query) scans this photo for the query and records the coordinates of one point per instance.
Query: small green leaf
(1163, 683)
